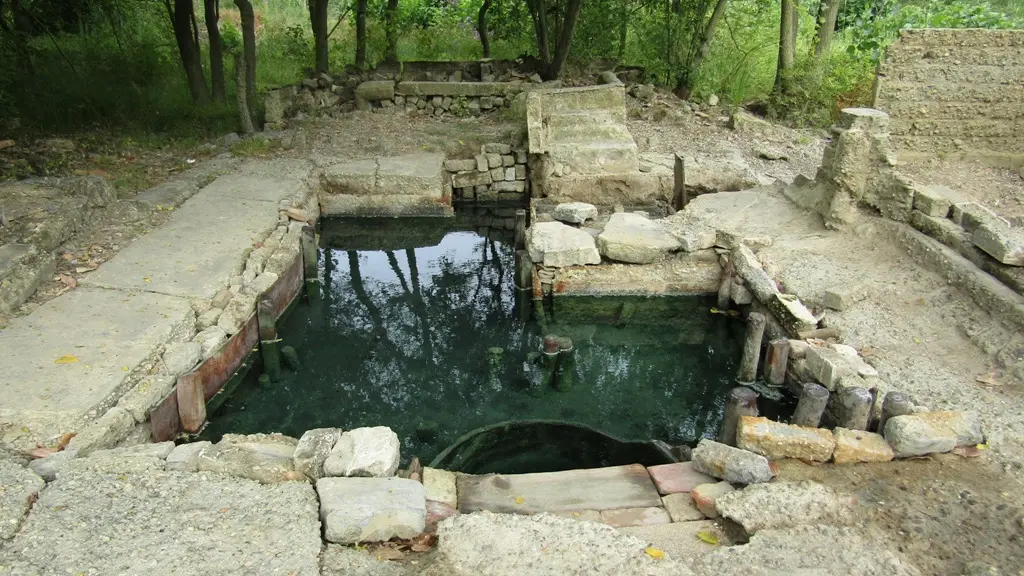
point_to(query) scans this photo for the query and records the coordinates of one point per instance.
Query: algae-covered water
(419, 329)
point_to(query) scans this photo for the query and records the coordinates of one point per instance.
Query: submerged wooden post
(309, 263)
(520, 229)
(680, 199)
(752, 347)
(894, 404)
(191, 402)
(524, 270)
(742, 401)
(269, 345)
(854, 408)
(566, 364)
(725, 292)
(776, 360)
(810, 407)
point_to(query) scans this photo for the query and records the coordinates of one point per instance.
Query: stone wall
(497, 174)
(955, 92)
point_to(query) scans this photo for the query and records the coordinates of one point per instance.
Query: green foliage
(230, 37)
(251, 147)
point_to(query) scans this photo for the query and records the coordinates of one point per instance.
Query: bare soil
(1000, 189)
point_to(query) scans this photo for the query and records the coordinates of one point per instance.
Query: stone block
(681, 507)
(853, 446)
(105, 432)
(965, 425)
(357, 510)
(705, 496)
(731, 464)
(776, 440)
(971, 215)
(481, 163)
(376, 90)
(460, 165)
(896, 200)
(520, 156)
(621, 517)
(791, 313)
(842, 297)
(510, 174)
(635, 239)
(555, 244)
(411, 175)
(575, 212)
(507, 160)
(372, 451)
(910, 435)
(354, 177)
(497, 174)
(677, 477)
(1000, 241)
(440, 486)
(740, 294)
(496, 148)
(933, 201)
(520, 172)
(756, 279)
(185, 457)
(785, 505)
(146, 394)
(182, 357)
(313, 449)
(210, 340)
(827, 366)
(493, 160)
(469, 179)
(455, 89)
(518, 186)
(267, 462)
(20, 487)
(237, 313)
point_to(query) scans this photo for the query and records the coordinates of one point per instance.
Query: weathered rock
(355, 510)
(265, 463)
(642, 91)
(842, 297)
(575, 212)
(791, 313)
(785, 505)
(934, 201)
(776, 440)
(676, 477)
(364, 452)
(105, 432)
(440, 486)
(620, 517)
(854, 446)
(730, 464)
(182, 357)
(827, 366)
(724, 174)
(910, 435)
(49, 467)
(472, 178)
(755, 278)
(222, 299)
(681, 507)
(313, 449)
(208, 318)
(608, 77)
(19, 488)
(376, 90)
(237, 313)
(185, 457)
(259, 285)
(146, 394)
(1001, 242)
(965, 425)
(556, 244)
(705, 496)
(346, 561)
(210, 340)
(635, 239)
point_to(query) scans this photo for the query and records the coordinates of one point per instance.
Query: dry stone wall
(955, 92)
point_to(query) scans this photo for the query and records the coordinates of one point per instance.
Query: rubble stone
(853, 446)
(776, 440)
(785, 505)
(910, 435)
(730, 464)
(356, 510)
(681, 507)
(575, 212)
(635, 239)
(705, 496)
(313, 449)
(556, 244)
(371, 451)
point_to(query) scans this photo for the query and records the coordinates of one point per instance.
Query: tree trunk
(241, 95)
(481, 28)
(787, 46)
(248, 19)
(391, 31)
(827, 15)
(212, 15)
(623, 31)
(538, 12)
(318, 20)
(572, 12)
(361, 34)
(685, 83)
(181, 18)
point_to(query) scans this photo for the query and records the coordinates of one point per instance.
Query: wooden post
(524, 304)
(742, 401)
(191, 402)
(752, 347)
(776, 360)
(725, 292)
(680, 197)
(566, 364)
(520, 229)
(894, 404)
(309, 263)
(269, 346)
(524, 270)
(291, 358)
(854, 408)
(810, 407)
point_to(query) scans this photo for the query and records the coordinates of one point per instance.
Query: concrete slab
(200, 249)
(380, 206)
(679, 539)
(180, 523)
(77, 352)
(411, 174)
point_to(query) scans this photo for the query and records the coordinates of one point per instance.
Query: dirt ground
(1001, 189)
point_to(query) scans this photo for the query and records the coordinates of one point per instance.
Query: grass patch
(251, 147)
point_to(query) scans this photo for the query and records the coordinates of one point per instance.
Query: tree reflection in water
(402, 339)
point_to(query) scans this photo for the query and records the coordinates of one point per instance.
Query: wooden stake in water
(725, 292)
(309, 263)
(191, 402)
(751, 347)
(776, 360)
(679, 190)
(741, 401)
(520, 229)
(810, 407)
(269, 345)
(854, 408)
(524, 270)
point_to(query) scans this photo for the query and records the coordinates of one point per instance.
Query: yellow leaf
(917, 340)
(66, 359)
(982, 446)
(146, 280)
(124, 368)
(519, 500)
(708, 537)
(654, 553)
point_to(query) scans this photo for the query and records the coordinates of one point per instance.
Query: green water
(408, 331)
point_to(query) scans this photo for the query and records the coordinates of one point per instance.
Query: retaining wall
(955, 92)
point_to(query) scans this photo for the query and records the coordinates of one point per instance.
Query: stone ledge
(455, 89)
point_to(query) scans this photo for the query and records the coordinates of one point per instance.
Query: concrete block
(776, 440)
(681, 507)
(677, 477)
(853, 446)
(933, 201)
(705, 495)
(621, 517)
(357, 510)
(1000, 241)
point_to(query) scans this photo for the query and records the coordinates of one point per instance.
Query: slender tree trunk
(391, 31)
(211, 13)
(188, 50)
(623, 31)
(787, 46)
(568, 26)
(248, 48)
(827, 15)
(318, 20)
(241, 95)
(685, 83)
(538, 12)
(361, 34)
(481, 28)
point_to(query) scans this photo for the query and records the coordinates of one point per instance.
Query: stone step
(596, 157)
(592, 489)
(583, 133)
(22, 269)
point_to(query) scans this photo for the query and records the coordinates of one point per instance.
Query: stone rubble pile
(497, 174)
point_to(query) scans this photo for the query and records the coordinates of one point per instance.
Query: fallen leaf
(66, 359)
(654, 553)
(385, 553)
(223, 510)
(988, 379)
(69, 281)
(41, 452)
(62, 442)
(708, 537)
(520, 500)
(297, 215)
(982, 446)
(146, 280)
(423, 542)
(967, 451)
(68, 256)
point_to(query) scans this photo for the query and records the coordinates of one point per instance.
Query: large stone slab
(80, 351)
(200, 249)
(635, 239)
(164, 523)
(20, 486)
(785, 505)
(1000, 241)
(776, 440)
(730, 464)
(556, 244)
(371, 451)
(679, 540)
(22, 269)
(391, 205)
(355, 510)
(912, 436)
(411, 175)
